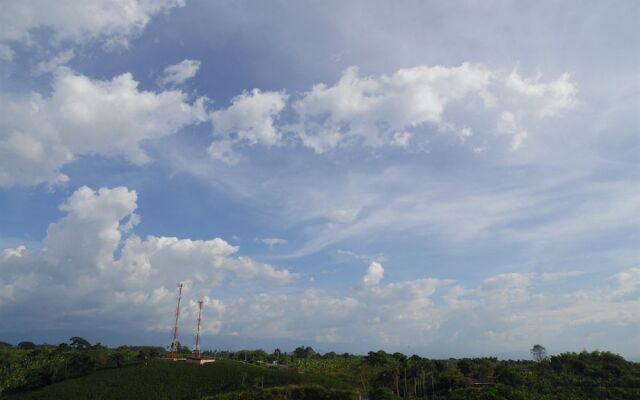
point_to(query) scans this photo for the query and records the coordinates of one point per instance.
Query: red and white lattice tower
(196, 349)
(173, 350)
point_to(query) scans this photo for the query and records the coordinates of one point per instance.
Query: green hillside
(168, 380)
(84, 371)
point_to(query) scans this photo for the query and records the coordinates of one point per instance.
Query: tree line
(29, 366)
(378, 374)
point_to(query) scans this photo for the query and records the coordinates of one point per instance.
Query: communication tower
(196, 349)
(173, 350)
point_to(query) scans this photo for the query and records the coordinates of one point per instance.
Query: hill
(84, 371)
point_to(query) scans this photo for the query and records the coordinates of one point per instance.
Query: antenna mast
(196, 350)
(173, 350)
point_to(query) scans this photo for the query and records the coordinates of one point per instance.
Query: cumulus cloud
(512, 310)
(79, 266)
(250, 119)
(179, 73)
(508, 124)
(90, 232)
(90, 267)
(374, 274)
(79, 21)
(531, 99)
(546, 99)
(374, 109)
(383, 315)
(401, 109)
(17, 252)
(83, 116)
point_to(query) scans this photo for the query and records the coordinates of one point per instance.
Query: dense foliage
(159, 379)
(28, 366)
(290, 392)
(133, 372)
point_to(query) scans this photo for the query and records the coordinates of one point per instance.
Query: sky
(446, 179)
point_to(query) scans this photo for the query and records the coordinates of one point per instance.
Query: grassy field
(168, 380)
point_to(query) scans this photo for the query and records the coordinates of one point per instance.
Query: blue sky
(447, 179)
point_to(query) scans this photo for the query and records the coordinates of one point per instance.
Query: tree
(538, 352)
(304, 352)
(450, 376)
(377, 358)
(182, 350)
(485, 368)
(258, 355)
(330, 355)
(507, 376)
(81, 364)
(26, 345)
(465, 367)
(79, 343)
(118, 357)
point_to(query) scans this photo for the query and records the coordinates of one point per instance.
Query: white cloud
(343, 215)
(272, 242)
(529, 101)
(626, 283)
(505, 306)
(250, 118)
(79, 276)
(319, 143)
(17, 252)
(206, 262)
(90, 232)
(78, 267)
(374, 274)
(401, 139)
(56, 62)
(39, 135)
(507, 288)
(507, 124)
(380, 316)
(546, 99)
(179, 73)
(402, 109)
(222, 150)
(373, 109)
(80, 21)
(361, 257)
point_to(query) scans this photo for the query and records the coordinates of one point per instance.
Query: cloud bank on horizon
(471, 194)
(78, 266)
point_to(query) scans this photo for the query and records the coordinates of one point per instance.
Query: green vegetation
(79, 370)
(290, 392)
(160, 379)
(28, 366)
